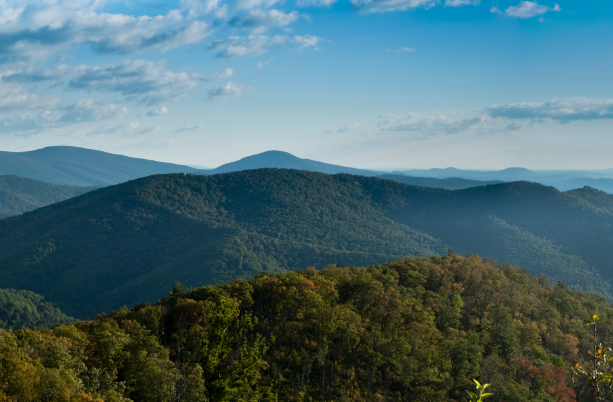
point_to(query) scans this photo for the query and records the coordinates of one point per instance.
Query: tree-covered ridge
(124, 244)
(24, 309)
(20, 194)
(409, 330)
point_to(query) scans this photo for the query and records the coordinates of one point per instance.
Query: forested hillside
(24, 309)
(19, 194)
(414, 330)
(125, 244)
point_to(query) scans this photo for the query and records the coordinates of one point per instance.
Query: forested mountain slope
(19, 194)
(414, 330)
(125, 244)
(24, 309)
(73, 166)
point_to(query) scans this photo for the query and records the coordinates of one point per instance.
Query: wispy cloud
(141, 80)
(228, 91)
(383, 6)
(561, 110)
(15, 98)
(162, 110)
(316, 3)
(188, 128)
(236, 46)
(307, 41)
(261, 20)
(128, 129)
(263, 63)
(37, 29)
(462, 3)
(82, 111)
(529, 9)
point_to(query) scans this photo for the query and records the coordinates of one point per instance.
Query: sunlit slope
(24, 309)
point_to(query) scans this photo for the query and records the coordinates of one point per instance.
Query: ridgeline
(125, 244)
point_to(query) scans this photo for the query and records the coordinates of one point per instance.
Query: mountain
(74, 166)
(453, 183)
(19, 194)
(599, 184)
(416, 330)
(510, 174)
(284, 160)
(563, 180)
(127, 243)
(24, 309)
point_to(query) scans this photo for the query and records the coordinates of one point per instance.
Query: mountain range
(72, 166)
(128, 243)
(84, 167)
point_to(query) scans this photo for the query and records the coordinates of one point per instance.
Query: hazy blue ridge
(74, 166)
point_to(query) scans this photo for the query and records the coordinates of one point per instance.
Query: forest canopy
(128, 243)
(410, 330)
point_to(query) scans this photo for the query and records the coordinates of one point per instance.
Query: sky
(473, 84)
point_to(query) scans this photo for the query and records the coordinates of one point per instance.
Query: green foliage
(410, 330)
(128, 243)
(19, 195)
(24, 309)
(481, 394)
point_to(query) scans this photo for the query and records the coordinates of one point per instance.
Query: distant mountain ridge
(285, 160)
(20, 194)
(73, 166)
(128, 243)
(452, 183)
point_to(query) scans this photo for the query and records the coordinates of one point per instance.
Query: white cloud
(307, 41)
(128, 129)
(382, 6)
(347, 128)
(188, 128)
(462, 3)
(561, 110)
(405, 50)
(145, 81)
(249, 4)
(39, 28)
(236, 46)
(316, 3)
(227, 73)
(261, 20)
(228, 91)
(162, 110)
(88, 110)
(263, 63)
(529, 9)
(82, 111)
(425, 126)
(15, 98)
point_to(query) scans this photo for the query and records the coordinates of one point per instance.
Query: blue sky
(365, 83)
